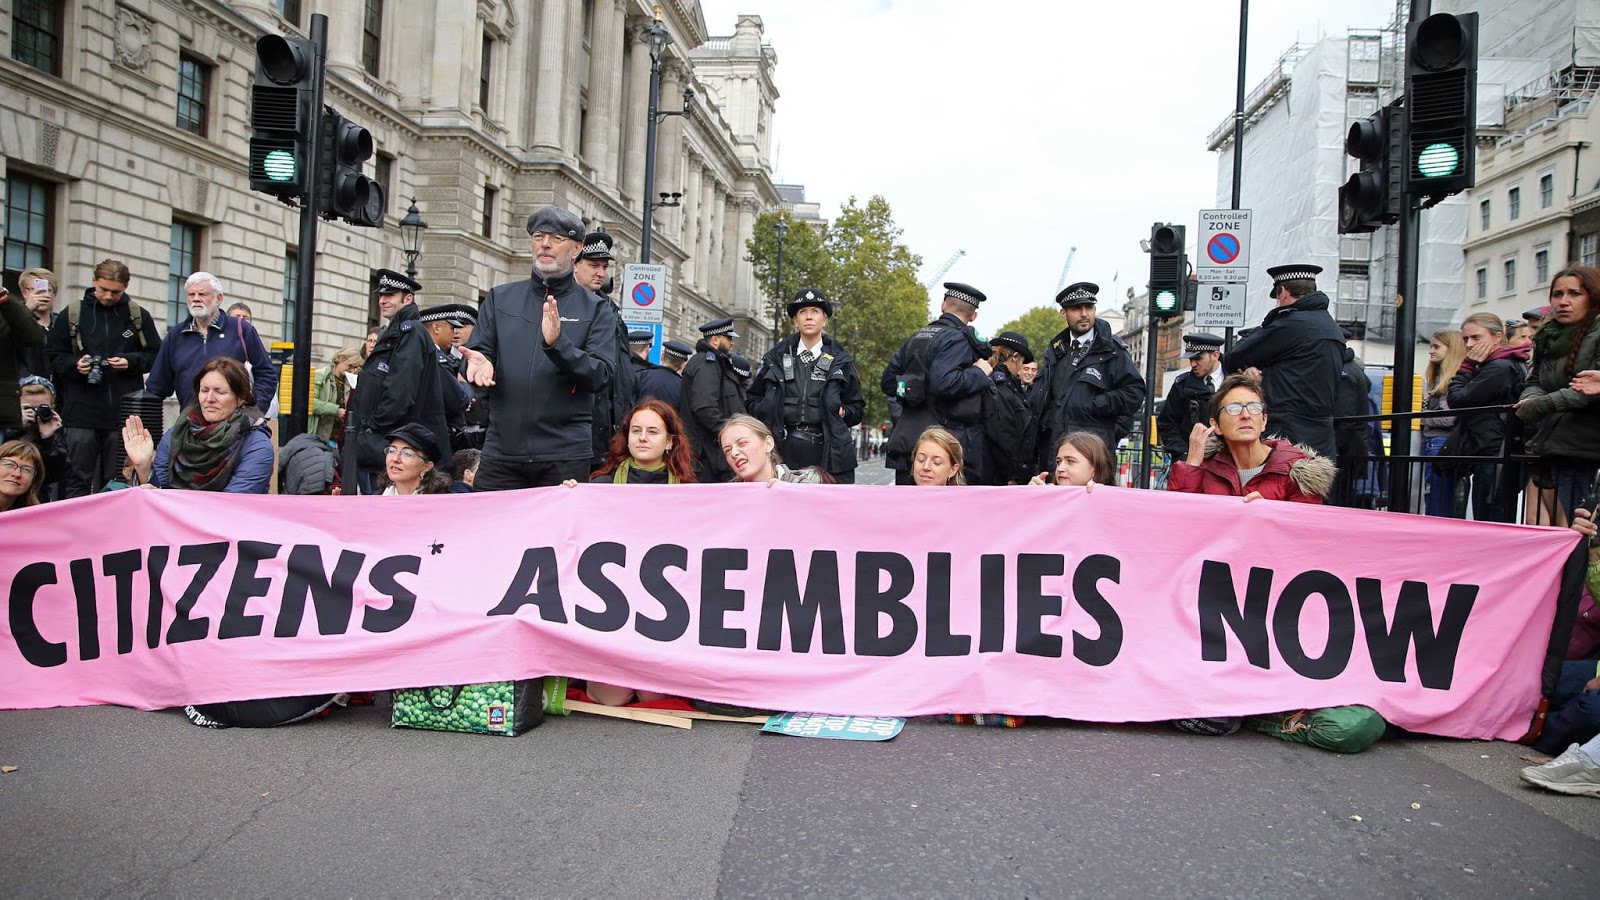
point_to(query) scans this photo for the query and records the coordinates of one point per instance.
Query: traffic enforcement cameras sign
(1224, 245)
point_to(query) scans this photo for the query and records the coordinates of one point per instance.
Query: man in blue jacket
(210, 332)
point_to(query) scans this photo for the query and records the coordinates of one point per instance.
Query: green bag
(1342, 729)
(495, 707)
(555, 695)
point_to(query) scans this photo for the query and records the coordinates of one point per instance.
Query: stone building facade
(124, 129)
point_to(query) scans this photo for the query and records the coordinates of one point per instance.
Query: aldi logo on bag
(497, 716)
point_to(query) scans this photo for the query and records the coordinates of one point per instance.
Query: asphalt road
(116, 802)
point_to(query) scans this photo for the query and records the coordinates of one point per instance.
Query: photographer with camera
(99, 350)
(41, 427)
(18, 332)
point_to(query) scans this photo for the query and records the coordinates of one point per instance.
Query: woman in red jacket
(1231, 457)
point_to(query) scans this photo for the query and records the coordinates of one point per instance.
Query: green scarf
(1554, 339)
(202, 454)
(620, 476)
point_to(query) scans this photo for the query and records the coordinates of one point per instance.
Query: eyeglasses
(1234, 409)
(29, 471)
(552, 237)
(402, 452)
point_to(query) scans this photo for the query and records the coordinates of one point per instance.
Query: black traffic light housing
(1169, 270)
(1373, 195)
(346, 193)
(283, 116)
(1441, 105)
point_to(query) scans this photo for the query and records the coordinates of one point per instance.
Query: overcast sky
(1016, 131)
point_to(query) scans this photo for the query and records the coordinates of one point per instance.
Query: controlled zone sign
(1219, 306)
(1224, 246)
(643, 292)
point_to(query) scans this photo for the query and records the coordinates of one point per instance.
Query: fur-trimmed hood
(1311, 472)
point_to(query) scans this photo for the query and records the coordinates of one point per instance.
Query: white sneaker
(1573, 772)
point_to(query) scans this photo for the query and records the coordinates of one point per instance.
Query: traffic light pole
(300, 395)
(1238, 132)
(1405, 331)
(1145, 455)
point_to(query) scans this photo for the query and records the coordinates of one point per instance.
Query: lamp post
(411, 229)
(655, 34)
(781, 229)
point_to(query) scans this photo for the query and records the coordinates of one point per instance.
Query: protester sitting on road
(214, 445)
(751, 452)
(1568, 439)
(1082, 460)
(1575, 706)
(937, 458)
(333, 388)
(1230, 457)
(1446, 351)
(650, 446)
(465, 469)
(1491, 375)
(410, 463)
(21, 470)
(1576, 771)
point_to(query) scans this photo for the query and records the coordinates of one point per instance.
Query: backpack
(912, 390)
(75, 314)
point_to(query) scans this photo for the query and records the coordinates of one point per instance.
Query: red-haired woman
(650, 447)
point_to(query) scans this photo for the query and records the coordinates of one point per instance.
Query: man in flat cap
(808, 392)
(1297, 352)
(593, 271)
(1086, 382)
(399, 382)
(712, 392)
(1005, 431)
(1188, 400)
(940, 376)
(545, 347)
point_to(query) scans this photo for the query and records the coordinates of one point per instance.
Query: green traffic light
(1166, 300)
(279, 165)
(1438, 160)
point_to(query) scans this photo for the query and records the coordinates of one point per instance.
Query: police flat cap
(1200, 342)
(1294, 272)
(454, 313)
(964, 292)
(641, 336)
(597, 245)
(419, 437)
(719, 326)
(811, 297)
(739, 365)
(678, 349)
(1015, 341)
(390, 282)
(1078, 294)
(556, 220)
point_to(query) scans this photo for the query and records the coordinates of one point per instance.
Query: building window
(1547, 190)
(489, 196)
(372, 36)
(1589, 250)
(30, 220)
(374, 313)
(484, 69)
(36, 28)
(290, 10)
(1510, 269)
(1483, 282)
(383, 174)
(183, 260)
(194, 85)
(1541, 265)
(291, 286)
(1514, 204)
(1483, 216)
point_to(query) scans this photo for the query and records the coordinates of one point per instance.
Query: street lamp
(411, 229)
(655, 34)
(781, 229)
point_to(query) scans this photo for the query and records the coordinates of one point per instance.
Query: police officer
(1187, 401)
(1297, 352)
(712, 392)
(1087, 381)
(940, 376)
(661, 380)
(399, 383)
(442, 322)
(593, 271)
(808, 392)
(1004, 431)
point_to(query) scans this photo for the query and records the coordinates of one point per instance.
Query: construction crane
(945, 269)
(1066, 268)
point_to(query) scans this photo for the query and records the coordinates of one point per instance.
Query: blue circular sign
(1223, 249)
(644, 293)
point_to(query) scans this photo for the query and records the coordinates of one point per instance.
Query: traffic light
(283, 115)
(1169, 270)
(1372, 196)
(1441, 104)
(345, 192)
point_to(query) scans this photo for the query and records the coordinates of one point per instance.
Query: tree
(1038, 325)
(806, 263)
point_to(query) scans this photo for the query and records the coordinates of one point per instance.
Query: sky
(1017, 132)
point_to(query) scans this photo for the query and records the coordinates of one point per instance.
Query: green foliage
(805, 262)
(1038, 325)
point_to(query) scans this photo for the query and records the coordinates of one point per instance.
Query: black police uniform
(800, 401)
(712, 392)
(399, 384)
(1188, 401)
(1300, 352)
(953, 393)
(1099, 395)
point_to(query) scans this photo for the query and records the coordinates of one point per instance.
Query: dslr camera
(43, 413)
(96, 369)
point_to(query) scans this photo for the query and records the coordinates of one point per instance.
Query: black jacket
(399, 384)
(1495, 382)
(711, 394)
(1101, 395)
(1299, 350)
(542, 401)
(1188, 403)
(1004, 432)
(102, 331)
(611, 405)
(960, 397)
(841, 389)
(19, 332)
(658, 382)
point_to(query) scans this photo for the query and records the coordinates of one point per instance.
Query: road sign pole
(306, 284)
(1238, 130)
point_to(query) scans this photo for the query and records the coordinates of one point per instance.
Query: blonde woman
(1446, 351)
(333, 386)
(937, 459)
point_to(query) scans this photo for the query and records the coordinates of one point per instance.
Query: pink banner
(1120, 605)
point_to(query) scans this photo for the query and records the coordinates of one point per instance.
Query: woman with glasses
(215, 444)
(1230, 457)
(410, 463)
(20, 468)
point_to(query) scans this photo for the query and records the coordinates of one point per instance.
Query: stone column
(691, 219)
(705, 231)
(638, 113)
(669, 146)
(611, 76)
(743, 278)
(571, 86)
(547, 109)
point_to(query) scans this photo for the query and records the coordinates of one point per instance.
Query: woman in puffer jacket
(1231, 458)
